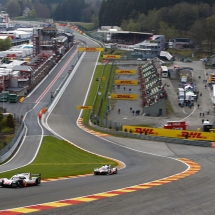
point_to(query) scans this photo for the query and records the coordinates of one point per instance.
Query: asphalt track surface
(192, 195)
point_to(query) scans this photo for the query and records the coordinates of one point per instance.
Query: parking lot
(190, 115)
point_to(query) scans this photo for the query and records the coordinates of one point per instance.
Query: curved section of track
(171, 198)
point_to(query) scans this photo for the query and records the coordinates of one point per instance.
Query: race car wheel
(116, 171)
(20, 184)
(37, 181)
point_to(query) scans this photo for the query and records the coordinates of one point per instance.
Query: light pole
(3, 94)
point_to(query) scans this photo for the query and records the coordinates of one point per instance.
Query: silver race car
(105, 170)
(21, 180)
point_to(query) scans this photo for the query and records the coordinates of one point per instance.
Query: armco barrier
(8, 150)
(153, 138)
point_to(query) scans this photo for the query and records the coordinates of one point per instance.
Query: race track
(191, 195)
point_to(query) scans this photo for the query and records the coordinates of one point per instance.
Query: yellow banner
(126, 82)
(124, 96)
(111, 56)
(191, 135)
(125, 72)
(84, 107)
(90, 49)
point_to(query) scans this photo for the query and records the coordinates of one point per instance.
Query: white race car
(21, 180)
(105, 170)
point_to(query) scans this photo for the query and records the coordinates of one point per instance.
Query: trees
(210, 32)
(41, 10)
(13, 8)
(169, 32)
(70, 10)
(5, 44)
(32, 14)
(10, 121)
(197, 32)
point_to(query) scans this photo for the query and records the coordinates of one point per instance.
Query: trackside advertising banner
(192, 135)
(125, 72)
(124, 96)
(84, 107)
(90, 49)
(126, 82)
(111, 56)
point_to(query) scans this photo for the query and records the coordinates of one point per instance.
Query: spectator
(119, 111)
(200, 114)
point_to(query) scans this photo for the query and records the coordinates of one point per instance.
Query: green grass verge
(105, 102)
(93, 91)
(58, 158)
(7, 139)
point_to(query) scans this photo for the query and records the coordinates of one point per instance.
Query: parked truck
(4, 96)
(13, 98)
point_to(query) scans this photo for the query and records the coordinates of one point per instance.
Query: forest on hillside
(63, 10)
(195, 20)
(113, 12)
(173, 18)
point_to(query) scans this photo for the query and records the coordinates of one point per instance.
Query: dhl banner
(125, 72)
(84, 107)
(190, 135)
(90, 49)
(124, 96)
(111, 56)
(126, 82)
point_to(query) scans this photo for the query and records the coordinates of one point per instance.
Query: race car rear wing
(36, 174)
